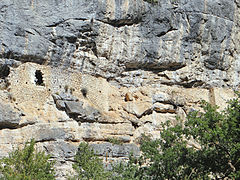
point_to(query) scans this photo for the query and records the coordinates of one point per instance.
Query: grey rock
(178, 100)
(60, 149)
(56, 97)
(161, 97)
(183, 43)
(50, 134)
(114, 150)
(165, 36)
(67, 97)
(64, 96)
(60, 104)
(81, 113)
(133, 15)
(74, 108)
(10, 62)
(61, 98)
(125, 139)
(9, 118)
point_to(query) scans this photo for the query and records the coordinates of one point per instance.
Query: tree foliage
(88, 165)
(26, 164)
(205, 146)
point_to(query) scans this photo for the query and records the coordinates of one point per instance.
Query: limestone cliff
(90, 70)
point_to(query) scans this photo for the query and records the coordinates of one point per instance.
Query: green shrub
(88, 165)
(215, 150)
(114, 140)
(205, 146)
(130, 170)
(26, 164)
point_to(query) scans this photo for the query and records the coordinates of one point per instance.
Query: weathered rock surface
(193, 42)
(88, 113)
(90, 70)
(114, 150)
(8, 117)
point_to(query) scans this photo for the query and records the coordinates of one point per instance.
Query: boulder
(81, 112)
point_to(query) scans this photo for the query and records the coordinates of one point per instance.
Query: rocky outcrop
(89, 70)
(8, 117)
(115, 150)
(187, 43)
(75, 109)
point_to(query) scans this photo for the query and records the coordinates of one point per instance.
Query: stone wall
(91, 70)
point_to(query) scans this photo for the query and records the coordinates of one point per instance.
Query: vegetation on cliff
(27, 164)
(88, 165)
(205, 146)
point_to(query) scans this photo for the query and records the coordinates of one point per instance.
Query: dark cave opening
(39, 78)
(84, 92)
(4, 71)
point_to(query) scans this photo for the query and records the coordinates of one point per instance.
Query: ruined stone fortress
(91, 70)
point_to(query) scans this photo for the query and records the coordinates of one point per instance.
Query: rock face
(89, 70)
(8, 118)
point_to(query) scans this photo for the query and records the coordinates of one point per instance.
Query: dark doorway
(39, 78)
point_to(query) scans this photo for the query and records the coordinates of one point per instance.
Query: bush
(130, 170)
(26, 164)
(206, 146)
(215, 155)
(88, 165)
(114, 140)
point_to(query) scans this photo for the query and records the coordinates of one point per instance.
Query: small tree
(205, 146)
(26, 164)
(88, 165)
(130, 170)
(216, 154)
